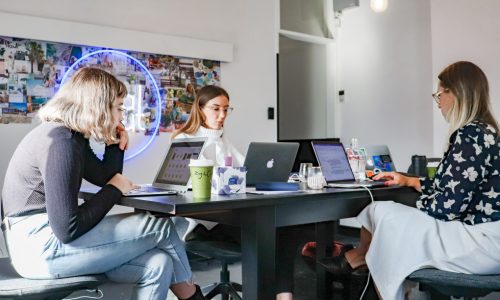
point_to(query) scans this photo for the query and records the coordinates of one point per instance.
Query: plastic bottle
(228, 161)
(357, 160)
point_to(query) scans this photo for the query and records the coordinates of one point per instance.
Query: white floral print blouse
(466, 187)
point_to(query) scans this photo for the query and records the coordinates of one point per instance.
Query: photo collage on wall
(31, 72)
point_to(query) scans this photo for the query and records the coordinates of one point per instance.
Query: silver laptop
(379, 159)
(335, 166)
(173, 175)
(269, 162)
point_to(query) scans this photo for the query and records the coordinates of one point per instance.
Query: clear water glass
(315, 179)
(304, 167)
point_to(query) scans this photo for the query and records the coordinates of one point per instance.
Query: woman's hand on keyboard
(395, 178)
(122, 183)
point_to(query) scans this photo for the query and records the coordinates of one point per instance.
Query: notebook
(173, 174)
(335, 166)
(269, 162)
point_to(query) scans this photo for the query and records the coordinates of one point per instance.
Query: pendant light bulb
(378, 5)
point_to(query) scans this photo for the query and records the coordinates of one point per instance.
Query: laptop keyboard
(145, 189)
(148, 189)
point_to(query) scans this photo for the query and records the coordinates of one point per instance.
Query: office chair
(443, 285)
(13, 286)
(226, 253)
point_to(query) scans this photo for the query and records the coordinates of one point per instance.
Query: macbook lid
(267, 162)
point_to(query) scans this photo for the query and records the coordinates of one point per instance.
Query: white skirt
(405, 239)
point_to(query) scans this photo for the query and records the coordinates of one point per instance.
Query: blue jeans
(131, 248)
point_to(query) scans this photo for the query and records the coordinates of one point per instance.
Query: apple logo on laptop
(270, 163)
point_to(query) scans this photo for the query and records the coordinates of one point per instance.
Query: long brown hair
(197, 117)
(470, 86)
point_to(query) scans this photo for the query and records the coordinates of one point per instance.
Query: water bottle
(419, 165)
(357, 160)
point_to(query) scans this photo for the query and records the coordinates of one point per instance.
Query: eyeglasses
(217, 110)
(437, 95)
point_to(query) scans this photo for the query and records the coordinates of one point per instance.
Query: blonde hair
(470, 86)
(197, 117)
(85, 103)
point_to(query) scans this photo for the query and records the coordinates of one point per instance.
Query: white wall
(470, 30)
(384, 67)
(250, 77)
(387, 64)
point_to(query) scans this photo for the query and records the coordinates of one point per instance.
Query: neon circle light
(145, 71)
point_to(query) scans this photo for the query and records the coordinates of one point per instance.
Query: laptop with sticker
(379, 159)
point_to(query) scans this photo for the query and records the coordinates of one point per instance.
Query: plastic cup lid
(201, 163)
(433, 164)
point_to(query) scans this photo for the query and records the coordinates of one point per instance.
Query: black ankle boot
(197, 294)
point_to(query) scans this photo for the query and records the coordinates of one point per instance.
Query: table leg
(258, 246)
(324, 240)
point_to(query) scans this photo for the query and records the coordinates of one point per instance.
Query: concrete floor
(207, 271)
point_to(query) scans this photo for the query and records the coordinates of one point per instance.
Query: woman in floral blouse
(455, 226)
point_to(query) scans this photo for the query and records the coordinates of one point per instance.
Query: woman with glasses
(208, 114)
(455, 226)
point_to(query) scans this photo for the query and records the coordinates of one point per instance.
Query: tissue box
(229, 180)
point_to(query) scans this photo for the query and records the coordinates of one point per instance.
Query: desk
(259, 216)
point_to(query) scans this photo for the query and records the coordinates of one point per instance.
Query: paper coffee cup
(201, 177)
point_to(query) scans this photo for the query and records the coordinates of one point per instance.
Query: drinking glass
(315, 179)
(304, 167)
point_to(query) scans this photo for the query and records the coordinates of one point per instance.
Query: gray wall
(302, 90)
(385, 68)
(470, 31)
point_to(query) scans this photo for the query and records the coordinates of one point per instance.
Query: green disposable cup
(201, 177)
(431, 169)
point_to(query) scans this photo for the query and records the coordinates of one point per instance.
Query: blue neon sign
(133, 102)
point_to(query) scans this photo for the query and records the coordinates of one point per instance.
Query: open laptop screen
(333, 161)
(175, 167)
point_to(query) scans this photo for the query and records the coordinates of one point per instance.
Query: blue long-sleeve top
(466, 186)
(45, 175)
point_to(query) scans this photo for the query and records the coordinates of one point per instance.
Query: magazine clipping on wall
(31, 72)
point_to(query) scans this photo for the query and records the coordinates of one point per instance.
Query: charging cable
(369, 192)
(100, 295)
(368, 280)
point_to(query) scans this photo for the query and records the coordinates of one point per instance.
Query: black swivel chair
(443, 285)
(13, 286)
(226, 253)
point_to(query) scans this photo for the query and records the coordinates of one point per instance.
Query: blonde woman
(455, 226)
(51, 235)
